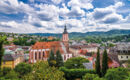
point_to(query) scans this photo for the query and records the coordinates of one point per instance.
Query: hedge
(71, 74)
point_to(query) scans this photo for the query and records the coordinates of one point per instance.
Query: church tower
(65, 38)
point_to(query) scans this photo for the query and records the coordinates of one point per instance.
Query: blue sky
(50, 16)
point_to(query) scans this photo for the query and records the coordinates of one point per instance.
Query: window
(126, 56)
(35, 56)
(43, 54)
(121, 56)
(39, 55)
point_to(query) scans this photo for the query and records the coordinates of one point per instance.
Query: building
(65, 38)
(123, 51)
(41, 50)
(11, 59)
(76, 49)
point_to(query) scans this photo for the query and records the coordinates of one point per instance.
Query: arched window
(43, 54)
(35, 56)
(39, 55)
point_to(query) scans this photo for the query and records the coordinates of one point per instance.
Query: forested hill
(96, 33)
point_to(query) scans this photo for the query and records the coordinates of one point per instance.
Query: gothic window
(43, 54)
(39, 55)
(35, 56)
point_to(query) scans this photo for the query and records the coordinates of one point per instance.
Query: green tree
(98, 78)
(89, 76)
(98, 68)
(6, 70)
(75, 62)
(128, 63)
(1, 51)
(12, 75)
(116, 74)
(59, 59)
(23, 69)
(104, 63)
(51, 59)
(42, 71)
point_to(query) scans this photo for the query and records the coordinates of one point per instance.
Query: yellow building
(50, 38)
(10, 59)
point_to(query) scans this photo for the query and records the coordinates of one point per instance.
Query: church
(41, 50)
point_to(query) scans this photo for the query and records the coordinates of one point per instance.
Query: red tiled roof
(53, 45)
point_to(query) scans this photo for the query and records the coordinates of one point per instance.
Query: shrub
(71, 74)
(89, 76)
(76, 62)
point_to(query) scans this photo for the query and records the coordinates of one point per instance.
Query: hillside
(96, 33)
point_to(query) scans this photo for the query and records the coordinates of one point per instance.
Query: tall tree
(104, 62)
(51, 59)
(1, 52)
(59, 59)
(98, 67)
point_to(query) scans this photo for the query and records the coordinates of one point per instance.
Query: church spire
(65, 30)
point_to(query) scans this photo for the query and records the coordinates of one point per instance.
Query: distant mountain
(95, 33)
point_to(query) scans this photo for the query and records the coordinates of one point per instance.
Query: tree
(23, 69)
(75, 62)
(12, 75)
(104, 63)
(42, 71)
(128, 64)
(1, 52)
(128, 78)
(98, 78)
(116, 74)
(98, 71)
(6, 70)
(51, 59)
(59, 59)
(89, 76)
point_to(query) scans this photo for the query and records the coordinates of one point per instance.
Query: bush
(71, 74)
(89, 76)
(76, 62)
(117, 74)
(12, 75)
(5, 70)
(23, 69)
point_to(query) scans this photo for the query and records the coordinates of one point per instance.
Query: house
(10, 59)
(123, 51)
(76, 49)
(41, 50)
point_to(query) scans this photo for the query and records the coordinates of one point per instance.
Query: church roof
(53, 45)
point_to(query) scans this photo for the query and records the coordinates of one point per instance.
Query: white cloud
(45, 17)
(57, 1)
(86, 4)
(14, 7)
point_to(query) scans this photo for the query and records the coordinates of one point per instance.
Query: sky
(50, 16)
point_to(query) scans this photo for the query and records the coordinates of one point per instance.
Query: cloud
(113, 18)
(14, 7)
(57, 1)
(52, 15)
(47, 12)
(86, 4)
(107, 15)
(100, 13)
(72, 13)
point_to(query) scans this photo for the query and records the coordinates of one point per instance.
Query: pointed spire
(65, 30)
